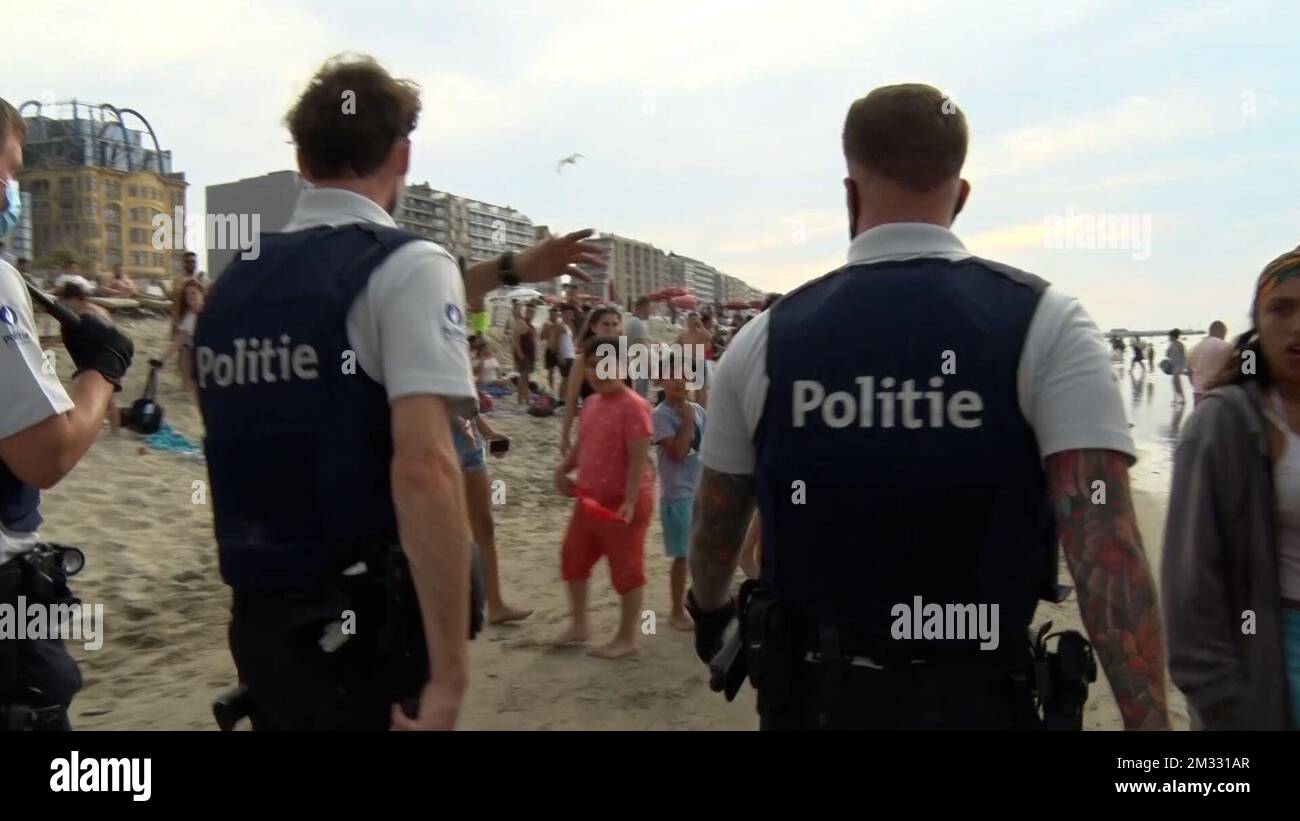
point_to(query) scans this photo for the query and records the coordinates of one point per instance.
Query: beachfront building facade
(600, 277)
(271, 197)
(469, 229)
(735, 289)
(637, 267)
(96, 185)
(634, 267)
(700, 278)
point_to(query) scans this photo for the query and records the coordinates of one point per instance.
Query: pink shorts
(589, 538)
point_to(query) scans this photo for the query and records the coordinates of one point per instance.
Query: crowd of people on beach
(620, 423)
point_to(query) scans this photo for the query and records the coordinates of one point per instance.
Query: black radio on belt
(1061, 678)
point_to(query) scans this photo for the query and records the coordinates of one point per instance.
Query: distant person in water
(1207, 358)
(1139, 356)
(1177, 356)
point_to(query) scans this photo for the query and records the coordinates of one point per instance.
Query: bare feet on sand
(574, 635)
(681, 621)
(507, 614)
(616, 649)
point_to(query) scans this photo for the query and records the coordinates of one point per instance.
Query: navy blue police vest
(20, 503)
(298, 439)
(893, 460)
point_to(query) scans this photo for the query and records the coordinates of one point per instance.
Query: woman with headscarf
(1231, 565)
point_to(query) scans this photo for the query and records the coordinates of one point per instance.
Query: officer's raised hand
(556, 256)
(95, 344)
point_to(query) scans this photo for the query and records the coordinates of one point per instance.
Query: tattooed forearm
(724, 504)
(1117, 597)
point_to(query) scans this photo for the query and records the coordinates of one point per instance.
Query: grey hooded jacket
(1220, 561)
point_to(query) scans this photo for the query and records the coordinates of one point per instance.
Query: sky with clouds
(712, 128)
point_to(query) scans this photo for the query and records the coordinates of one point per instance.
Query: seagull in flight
(572, 159)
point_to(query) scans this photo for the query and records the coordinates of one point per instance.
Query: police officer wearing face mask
(330, 368)
(908, 426)
(44, 432)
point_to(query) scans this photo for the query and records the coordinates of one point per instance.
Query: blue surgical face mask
(13, 209)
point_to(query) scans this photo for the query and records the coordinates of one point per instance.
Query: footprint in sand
(135, 612)
(191, 610)
(141, 641)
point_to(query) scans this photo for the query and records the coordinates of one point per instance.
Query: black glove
(96, 345)
(710, 625)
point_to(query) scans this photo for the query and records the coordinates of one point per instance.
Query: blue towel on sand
(168, 440)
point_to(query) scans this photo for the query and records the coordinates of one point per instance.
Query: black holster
(730, 667)
(37, 576)
(1061, 678)
(767, 639)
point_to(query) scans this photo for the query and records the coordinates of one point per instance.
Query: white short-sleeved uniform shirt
(407, 326)
(1064, 382)
(30, 392)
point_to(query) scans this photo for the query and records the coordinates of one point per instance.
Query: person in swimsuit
(550, 347)
(525, 349)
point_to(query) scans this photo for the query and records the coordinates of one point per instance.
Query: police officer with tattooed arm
(330, 370)
(44, 432)
(912, 486)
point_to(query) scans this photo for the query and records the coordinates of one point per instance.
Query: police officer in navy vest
(330, 367)
(909, 426)
(44, 432)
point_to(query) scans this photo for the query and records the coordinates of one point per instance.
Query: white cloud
(999, 241)
(1130, 126)
(787, 232)
(1200, 168)
(692, 46)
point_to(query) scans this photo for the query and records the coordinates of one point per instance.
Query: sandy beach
(151, 561)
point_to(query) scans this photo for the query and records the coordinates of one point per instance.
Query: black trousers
(296, 684)
(47, 680)
(35, 674)
(930, 696)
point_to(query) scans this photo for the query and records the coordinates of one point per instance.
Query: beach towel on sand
(167, 439)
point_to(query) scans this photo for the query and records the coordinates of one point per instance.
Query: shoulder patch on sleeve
(453, 322)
